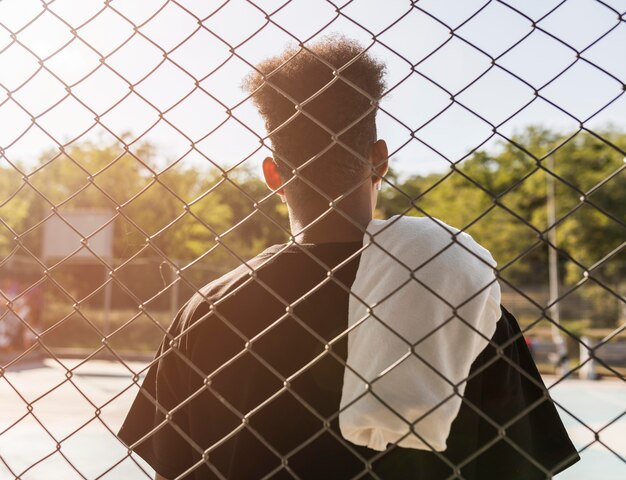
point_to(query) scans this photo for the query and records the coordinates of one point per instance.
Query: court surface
(78, 440)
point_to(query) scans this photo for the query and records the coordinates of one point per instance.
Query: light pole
(561, 361)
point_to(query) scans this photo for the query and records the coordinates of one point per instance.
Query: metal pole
(588, 369)
(106, 327)
(553, 274)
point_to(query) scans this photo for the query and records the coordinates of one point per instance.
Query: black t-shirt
(271, 338)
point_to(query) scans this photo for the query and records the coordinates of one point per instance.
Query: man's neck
(332, 227)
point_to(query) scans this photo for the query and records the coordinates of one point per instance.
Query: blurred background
(130, 177)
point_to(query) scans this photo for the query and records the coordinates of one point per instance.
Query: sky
(67, 68)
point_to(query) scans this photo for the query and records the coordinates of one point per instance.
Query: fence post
(106, 324)
(588, 370)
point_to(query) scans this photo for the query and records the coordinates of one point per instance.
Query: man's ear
(379, 159)
(272, 177)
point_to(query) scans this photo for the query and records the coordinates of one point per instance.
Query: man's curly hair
(281, 84)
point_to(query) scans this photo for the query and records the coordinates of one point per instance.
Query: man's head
(319, 104)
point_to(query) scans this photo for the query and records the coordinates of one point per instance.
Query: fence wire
(21, 253)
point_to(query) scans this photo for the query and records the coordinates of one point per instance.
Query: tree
(208, 222)
(181, 210)
(507, 190)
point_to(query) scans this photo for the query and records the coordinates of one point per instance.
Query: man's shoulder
(263, 287)
(257, 290)
(244, 279)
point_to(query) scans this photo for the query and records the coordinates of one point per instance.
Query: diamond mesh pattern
(71, 111)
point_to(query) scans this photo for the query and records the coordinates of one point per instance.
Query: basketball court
(80, 425)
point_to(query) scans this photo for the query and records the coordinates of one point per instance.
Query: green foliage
(499, 197)
(507, 190)
(13, 217)
(182, 210)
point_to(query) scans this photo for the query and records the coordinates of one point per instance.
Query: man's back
(288, 346)
(273, 346)
(286, 376)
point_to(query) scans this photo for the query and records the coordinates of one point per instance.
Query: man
(248, 381)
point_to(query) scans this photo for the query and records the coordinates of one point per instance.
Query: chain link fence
(129, 178)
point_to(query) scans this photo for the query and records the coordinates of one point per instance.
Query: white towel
(404, 382)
